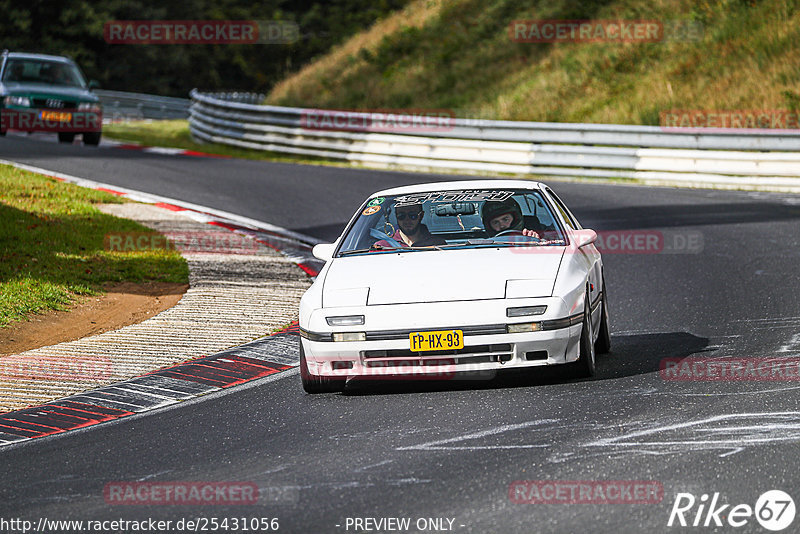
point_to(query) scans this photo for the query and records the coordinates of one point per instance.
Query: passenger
(504, 216)
(411, 231)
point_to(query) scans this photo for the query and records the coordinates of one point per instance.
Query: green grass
(175, 134)
(51, 246)
(458, 55)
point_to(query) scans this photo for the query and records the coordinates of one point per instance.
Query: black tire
(317, 384)
(585, 365)
(603, 343)
(66, 137)
(2, 133)
(92, 138)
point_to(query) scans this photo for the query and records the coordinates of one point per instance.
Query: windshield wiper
(489, 241)
(493, 242)
(392, 249)
(534, 241)
(381, 249)
(359, 251)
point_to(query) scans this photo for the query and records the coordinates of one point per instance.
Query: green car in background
(42, 93)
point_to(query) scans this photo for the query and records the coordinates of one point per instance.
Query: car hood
(440, 275)
(39, 90)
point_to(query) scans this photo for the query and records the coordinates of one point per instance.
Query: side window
(565, 214)
(537, 206)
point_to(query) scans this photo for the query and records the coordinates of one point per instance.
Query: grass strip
(52, 246)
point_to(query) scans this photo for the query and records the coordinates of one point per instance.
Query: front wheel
(317, 384)
(91, 138)
(66, 137)
(585, 366)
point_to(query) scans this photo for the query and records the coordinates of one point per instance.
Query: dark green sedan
(42, 93)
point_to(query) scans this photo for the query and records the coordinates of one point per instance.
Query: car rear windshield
(44, 72)
(439, 220)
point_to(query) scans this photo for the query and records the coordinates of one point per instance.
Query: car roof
(462, 184)
(25, 55)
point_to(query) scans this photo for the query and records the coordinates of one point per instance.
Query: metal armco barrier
(651, 154)
(119, 105)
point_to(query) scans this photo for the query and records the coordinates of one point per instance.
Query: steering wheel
(508, 232)
(516, 233)
(374, 232)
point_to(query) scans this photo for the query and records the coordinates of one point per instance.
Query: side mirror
(585, 237)
(94, 84)
(323, 251)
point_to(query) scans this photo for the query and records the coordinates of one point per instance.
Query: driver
(411, 232)
(60, 75)
(504, 216)
(16, 73)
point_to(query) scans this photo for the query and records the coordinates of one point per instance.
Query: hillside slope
(459, 55)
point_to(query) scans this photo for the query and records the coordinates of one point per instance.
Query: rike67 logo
(774, 510)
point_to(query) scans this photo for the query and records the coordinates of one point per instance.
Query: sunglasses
(412, 216)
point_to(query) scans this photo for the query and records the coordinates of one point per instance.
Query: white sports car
(443, 279)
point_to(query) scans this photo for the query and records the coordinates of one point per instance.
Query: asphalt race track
(453, 450)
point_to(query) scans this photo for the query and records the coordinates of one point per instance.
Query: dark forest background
(75, 28)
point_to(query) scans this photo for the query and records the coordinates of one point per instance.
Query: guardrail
(119, 105)
(647, 153)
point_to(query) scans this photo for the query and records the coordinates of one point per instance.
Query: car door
(588, 254)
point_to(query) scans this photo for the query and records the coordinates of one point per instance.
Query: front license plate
(58, 116)
(436, 340)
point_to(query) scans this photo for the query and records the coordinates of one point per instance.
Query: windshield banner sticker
(453, 196)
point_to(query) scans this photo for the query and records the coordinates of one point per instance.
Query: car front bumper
(487, 349)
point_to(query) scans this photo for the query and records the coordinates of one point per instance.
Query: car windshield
(439, 220)
(41, 71)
